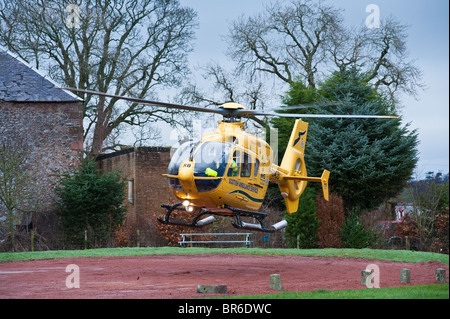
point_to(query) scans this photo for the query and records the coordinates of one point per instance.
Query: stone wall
(52, 133)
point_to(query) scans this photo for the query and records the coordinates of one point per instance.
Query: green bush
(353, 233)
(303, 223)
(90, 201)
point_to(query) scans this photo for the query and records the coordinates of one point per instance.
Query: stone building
(47, 120)
(147, 189)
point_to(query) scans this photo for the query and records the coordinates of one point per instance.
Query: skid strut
(227, 211)
(183, 222)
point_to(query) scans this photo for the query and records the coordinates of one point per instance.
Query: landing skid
(259, 216)
(227, 211)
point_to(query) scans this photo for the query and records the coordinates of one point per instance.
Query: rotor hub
(231, 112)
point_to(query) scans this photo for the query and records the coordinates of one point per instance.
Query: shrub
(303, 224)
(353, 233)
(331, 218)
(90, 201)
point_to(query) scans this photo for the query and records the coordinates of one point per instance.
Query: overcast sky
(428, 44)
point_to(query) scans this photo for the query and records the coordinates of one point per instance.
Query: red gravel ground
(177, 276)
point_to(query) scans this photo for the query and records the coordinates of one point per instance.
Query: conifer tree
(302, 227)
(370, 159)
(90, 203)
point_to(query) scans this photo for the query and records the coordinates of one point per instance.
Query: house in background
(401, 209)
(147, 189)
(48, 120)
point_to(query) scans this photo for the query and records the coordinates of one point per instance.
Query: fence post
(405, 276)
(440, 275)
(32, 240)
(366, 277)
(85, 239)
(275, 281)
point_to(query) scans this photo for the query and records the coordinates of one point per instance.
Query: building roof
(20, 82)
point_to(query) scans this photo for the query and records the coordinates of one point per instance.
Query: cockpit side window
(256, 168)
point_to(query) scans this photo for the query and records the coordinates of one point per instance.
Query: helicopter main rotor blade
(223, 111)
(354, 116)
(307, 106)
(144, 101)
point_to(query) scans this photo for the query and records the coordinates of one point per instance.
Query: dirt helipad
(177, 276)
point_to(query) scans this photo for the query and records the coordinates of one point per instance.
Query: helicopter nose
(186, 176)
(186, 172)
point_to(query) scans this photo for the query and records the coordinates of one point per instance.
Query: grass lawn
(438, 291)
(394, 255)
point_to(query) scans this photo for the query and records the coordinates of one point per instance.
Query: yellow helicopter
(228, 171)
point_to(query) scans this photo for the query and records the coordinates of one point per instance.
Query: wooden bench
(184, 242)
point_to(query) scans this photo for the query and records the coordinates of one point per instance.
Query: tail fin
(324, 180)
(292, 176)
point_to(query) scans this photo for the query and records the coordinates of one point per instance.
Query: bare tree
(229, 86)
(17, 189)
(286, 40)
(123, 47)
(226, 87)
(381, 53)
(302, 39)
(429, 198)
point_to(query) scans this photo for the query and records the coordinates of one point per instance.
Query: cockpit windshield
(211, 158)
(181, 154)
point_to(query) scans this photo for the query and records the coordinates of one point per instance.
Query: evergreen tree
(298, 95)
(370, 159)
(303, 224)
(92, 202)
(353, 233)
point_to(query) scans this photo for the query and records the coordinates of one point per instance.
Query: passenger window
(246, 167)
(256, 169)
